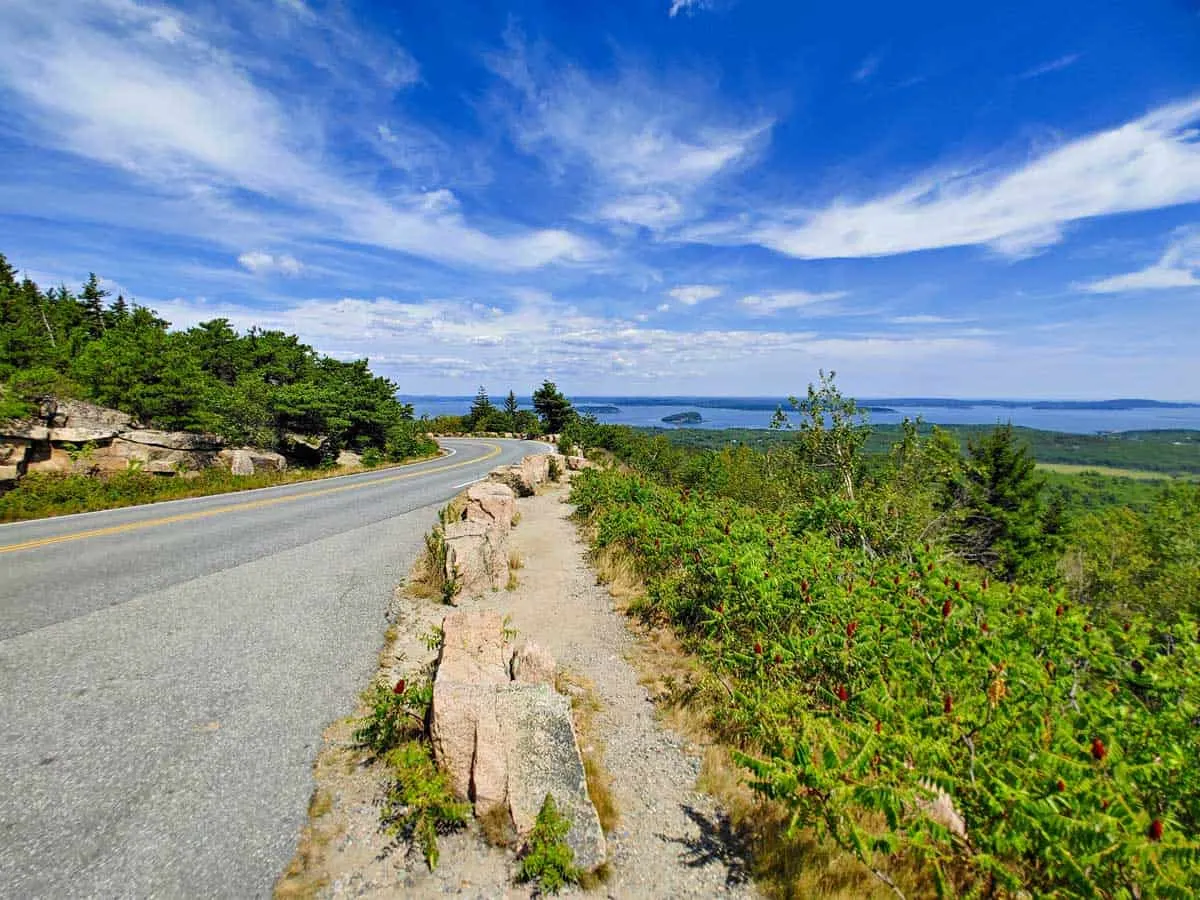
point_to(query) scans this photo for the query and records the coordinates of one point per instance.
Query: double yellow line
(238, 507)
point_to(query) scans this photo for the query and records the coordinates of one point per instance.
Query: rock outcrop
(248, 460)
(505, 743)
(70, 436)
(476, 557)
(491, 503)
(525, 476)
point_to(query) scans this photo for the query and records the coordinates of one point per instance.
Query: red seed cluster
(946, 607)
(947, 704)
(758, 649)
(842, 693)
(1155, 831)
(1099, 751)
(399, 688)
(851, 627)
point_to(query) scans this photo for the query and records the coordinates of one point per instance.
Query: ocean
(649, 411)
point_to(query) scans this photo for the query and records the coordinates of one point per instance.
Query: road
(166, 672)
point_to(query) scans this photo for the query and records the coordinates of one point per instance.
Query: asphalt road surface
(166, 672)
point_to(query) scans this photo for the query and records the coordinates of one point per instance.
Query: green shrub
(554, 469)
(548, 859)
(855, 680)
(397, 713)
(420, 805)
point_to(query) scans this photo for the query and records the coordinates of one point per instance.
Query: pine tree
(554, 408)
(92, 298)
(510, 410)
(119, 311)
(1004, 528)
(481, 409)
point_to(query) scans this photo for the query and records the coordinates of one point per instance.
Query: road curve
(166, 672)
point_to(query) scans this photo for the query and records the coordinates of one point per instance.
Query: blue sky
(653, 196)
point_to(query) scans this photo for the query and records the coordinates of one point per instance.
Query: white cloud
(261, 263)
(1053, 66)
(1148, 163)
(183, 118)
(1179, 267)
(691, 294)
(662, 307)
(769, 304)
(678, 6)
(450, 344)
(649, 144)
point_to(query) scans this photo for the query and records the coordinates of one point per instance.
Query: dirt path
(671, 841)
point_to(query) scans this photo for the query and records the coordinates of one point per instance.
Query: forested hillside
(923, 661)
(252, 388)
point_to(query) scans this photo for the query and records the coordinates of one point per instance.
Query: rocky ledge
(71, 436)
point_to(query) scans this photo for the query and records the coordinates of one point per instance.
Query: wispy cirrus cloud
(687, 6)
(1054, 65)
(1148, 163)
(646, 145)
(1179, 267)
(171, 103)
(771, 303)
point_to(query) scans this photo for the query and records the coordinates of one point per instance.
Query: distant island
(606, 410)
(683, 418)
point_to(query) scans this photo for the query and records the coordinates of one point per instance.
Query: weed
(513, 581)
(429, 578)
(420, 805)
(516, 519)
(554, 469)
(584, 707)
(497, 826)
(548, 859)
(395, 714)
(515, 560)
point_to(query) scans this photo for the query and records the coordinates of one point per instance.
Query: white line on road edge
(465, 483)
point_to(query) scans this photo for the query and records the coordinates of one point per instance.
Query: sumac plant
(862, 685)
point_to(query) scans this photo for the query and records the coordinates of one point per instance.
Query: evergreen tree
(481, 410)
(119, 311)
(510, 410)
(554, 408)
(92, 298)
(1003, 527)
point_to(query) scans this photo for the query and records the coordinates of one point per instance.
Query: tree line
(552, 412)
(256, 387)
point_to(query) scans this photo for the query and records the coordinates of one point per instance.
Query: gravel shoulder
(671, 840)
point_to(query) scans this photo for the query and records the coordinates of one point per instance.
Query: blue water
(1076, 421)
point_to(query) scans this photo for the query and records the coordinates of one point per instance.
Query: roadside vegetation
(926, 659)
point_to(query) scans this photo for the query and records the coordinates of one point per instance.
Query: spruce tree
(510, 410)
(554, 408)
(1004, 528)
(481, 409)
(92, 297)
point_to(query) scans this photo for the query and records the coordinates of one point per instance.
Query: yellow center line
(237, 507)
